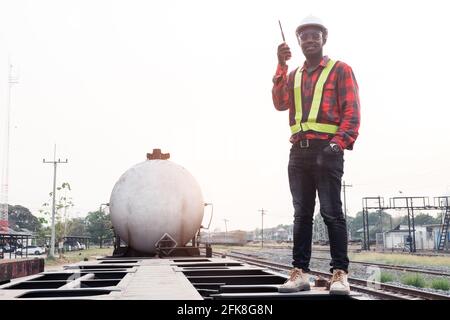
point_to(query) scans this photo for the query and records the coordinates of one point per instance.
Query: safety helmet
(312, 21)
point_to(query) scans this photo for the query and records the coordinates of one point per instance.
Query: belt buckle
(304, 144)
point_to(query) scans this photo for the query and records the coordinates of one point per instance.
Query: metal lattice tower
(410, 204)
(5, 163)
(445, 223)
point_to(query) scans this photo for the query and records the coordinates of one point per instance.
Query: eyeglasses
(314, 35)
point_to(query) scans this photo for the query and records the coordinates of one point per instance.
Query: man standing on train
(324, 116)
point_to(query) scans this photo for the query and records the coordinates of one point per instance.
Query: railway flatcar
(157, 210)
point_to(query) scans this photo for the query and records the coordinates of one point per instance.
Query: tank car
(155, 205)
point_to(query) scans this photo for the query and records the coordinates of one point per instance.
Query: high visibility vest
(311, 123)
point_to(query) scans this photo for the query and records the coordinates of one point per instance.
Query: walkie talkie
(282, 33)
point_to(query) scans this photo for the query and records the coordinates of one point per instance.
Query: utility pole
(226, 230)
(381, 214)
(381, 221)
(345, 206)
(5, 165)
(55, 163)
(262, 226)
(392, 238)
(345, 199)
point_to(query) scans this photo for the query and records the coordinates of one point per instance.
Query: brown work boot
(298, 281)
(339, 283)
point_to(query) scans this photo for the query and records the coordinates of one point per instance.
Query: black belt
(311, 143)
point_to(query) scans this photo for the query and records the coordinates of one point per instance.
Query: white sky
(108, 81)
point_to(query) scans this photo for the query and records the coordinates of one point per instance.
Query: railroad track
(358, 250)
(374, 289)
(380, 265)
(268, 246)
(394, 267)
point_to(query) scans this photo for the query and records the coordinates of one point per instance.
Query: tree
(421, 219)
(374, 223)
(320, 231)
(76, 227)
(62, 202)
(99, 226)
(42, 234)
(20, 217)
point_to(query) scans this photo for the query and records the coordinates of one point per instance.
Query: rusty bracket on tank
(158, 155)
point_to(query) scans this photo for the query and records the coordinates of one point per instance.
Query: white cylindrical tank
(155, 198)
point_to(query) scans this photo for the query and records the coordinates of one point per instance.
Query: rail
(375, 289)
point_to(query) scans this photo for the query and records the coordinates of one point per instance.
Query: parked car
(75, 246)
(9, 248)
(31, 250)
(81, 246)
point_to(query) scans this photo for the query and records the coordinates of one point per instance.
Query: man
(323, 103)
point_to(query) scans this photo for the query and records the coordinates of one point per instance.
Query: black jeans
(310, 170)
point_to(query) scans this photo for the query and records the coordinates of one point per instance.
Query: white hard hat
(312, 21)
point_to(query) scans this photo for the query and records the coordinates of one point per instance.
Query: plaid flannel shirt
(340, 102)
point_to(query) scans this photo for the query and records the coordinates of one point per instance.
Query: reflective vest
(311, 123)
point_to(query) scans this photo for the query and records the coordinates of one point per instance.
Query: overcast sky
(108, 81)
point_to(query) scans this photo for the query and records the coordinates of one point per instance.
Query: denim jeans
(310, 170)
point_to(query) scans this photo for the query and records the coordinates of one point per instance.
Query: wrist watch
(335, 147)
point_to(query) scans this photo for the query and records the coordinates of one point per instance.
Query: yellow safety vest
(311, 123)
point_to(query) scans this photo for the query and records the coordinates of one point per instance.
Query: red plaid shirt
(340, 101)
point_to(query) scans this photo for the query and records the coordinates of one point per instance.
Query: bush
(440, 284)
(415, 280)
(386, 277)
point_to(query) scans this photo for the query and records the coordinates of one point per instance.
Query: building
(426, 236)
(236, 237)
(436, 230)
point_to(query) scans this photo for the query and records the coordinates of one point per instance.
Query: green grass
(440, 284)
(415, 280)
(400, 259)
(386, 277)
(77, 256)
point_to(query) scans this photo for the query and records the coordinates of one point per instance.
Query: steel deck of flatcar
(197, 278)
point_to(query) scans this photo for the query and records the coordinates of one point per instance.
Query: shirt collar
(323, 63)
